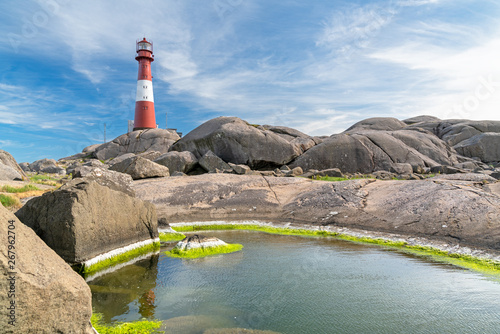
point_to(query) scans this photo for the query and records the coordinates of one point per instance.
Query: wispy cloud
(318, 69)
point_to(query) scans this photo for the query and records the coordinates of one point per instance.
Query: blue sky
(68, 67)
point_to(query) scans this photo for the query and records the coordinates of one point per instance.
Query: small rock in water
(199, 241)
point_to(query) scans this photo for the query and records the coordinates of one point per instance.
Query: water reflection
(300, 285)
(134, 284)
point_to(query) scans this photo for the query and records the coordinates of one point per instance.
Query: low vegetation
(139, 327)
(45, 179)
(336, 179)
(195, 253)
(13, 195)
(484, 266)
(9, 201)
(167, 237)
(10, 189)
(120, 258)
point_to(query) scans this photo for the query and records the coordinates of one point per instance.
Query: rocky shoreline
(459, 212)
(451, 248)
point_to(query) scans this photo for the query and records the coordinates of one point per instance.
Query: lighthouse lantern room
(144, 101)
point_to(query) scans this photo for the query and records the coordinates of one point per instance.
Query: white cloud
(379, 59)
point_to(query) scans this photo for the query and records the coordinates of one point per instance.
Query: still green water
(301, 285)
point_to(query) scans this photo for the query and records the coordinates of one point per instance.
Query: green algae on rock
(142, 326)
(175, 236)
(197, 246)
(119, 256)
(478, 264)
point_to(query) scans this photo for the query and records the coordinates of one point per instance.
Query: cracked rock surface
(458, 211)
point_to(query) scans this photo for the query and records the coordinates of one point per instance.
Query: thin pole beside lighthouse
(144, 100)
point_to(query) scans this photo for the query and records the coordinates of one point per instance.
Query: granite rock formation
(108, 178)
(49, 296)
(136, 142)
(84, 219)
(9, 169)
(177, 161)
(461, 211)
(140, 168)
(234, 140)
(47, 166)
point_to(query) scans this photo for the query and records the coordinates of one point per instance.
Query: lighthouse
(144, 101)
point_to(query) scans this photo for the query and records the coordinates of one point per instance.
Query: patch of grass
(10, 189)
(32, 193)
(47, 180)
(42, 177)
(337, 179)
(251, 227)
(120, 258)
(166, 237)
(484, 266)
(204, 251)
(140, 327)
(9, 201)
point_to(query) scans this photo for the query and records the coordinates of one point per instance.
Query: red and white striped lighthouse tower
(144, 101)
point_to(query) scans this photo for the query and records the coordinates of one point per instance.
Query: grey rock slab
(240, 169)
(140, 168)
(50, 296)
(178, 161)
(212, 163)
(8, 173)
(114, 180)
(475, 177)
(84, 219)
(485, 146)
(8, 160)
(120, 158)
(438, 209)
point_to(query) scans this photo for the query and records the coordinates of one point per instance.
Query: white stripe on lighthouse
(144, 91)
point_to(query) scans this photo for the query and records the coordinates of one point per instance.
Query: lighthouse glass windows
(145, 46)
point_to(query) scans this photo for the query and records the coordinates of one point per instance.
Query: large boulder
(47, 166)
(234, 140)
(84, 219)
(114, 180)
(120, 158)
(485, 146)
(136, 142)
(476, 139)
(9, 169)
(49, 296)
(366, 151)
(456, 131)
(9, 174)
(339, 151)
(140, 168)
(177, 161)
(25, 166)
(212, 163)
